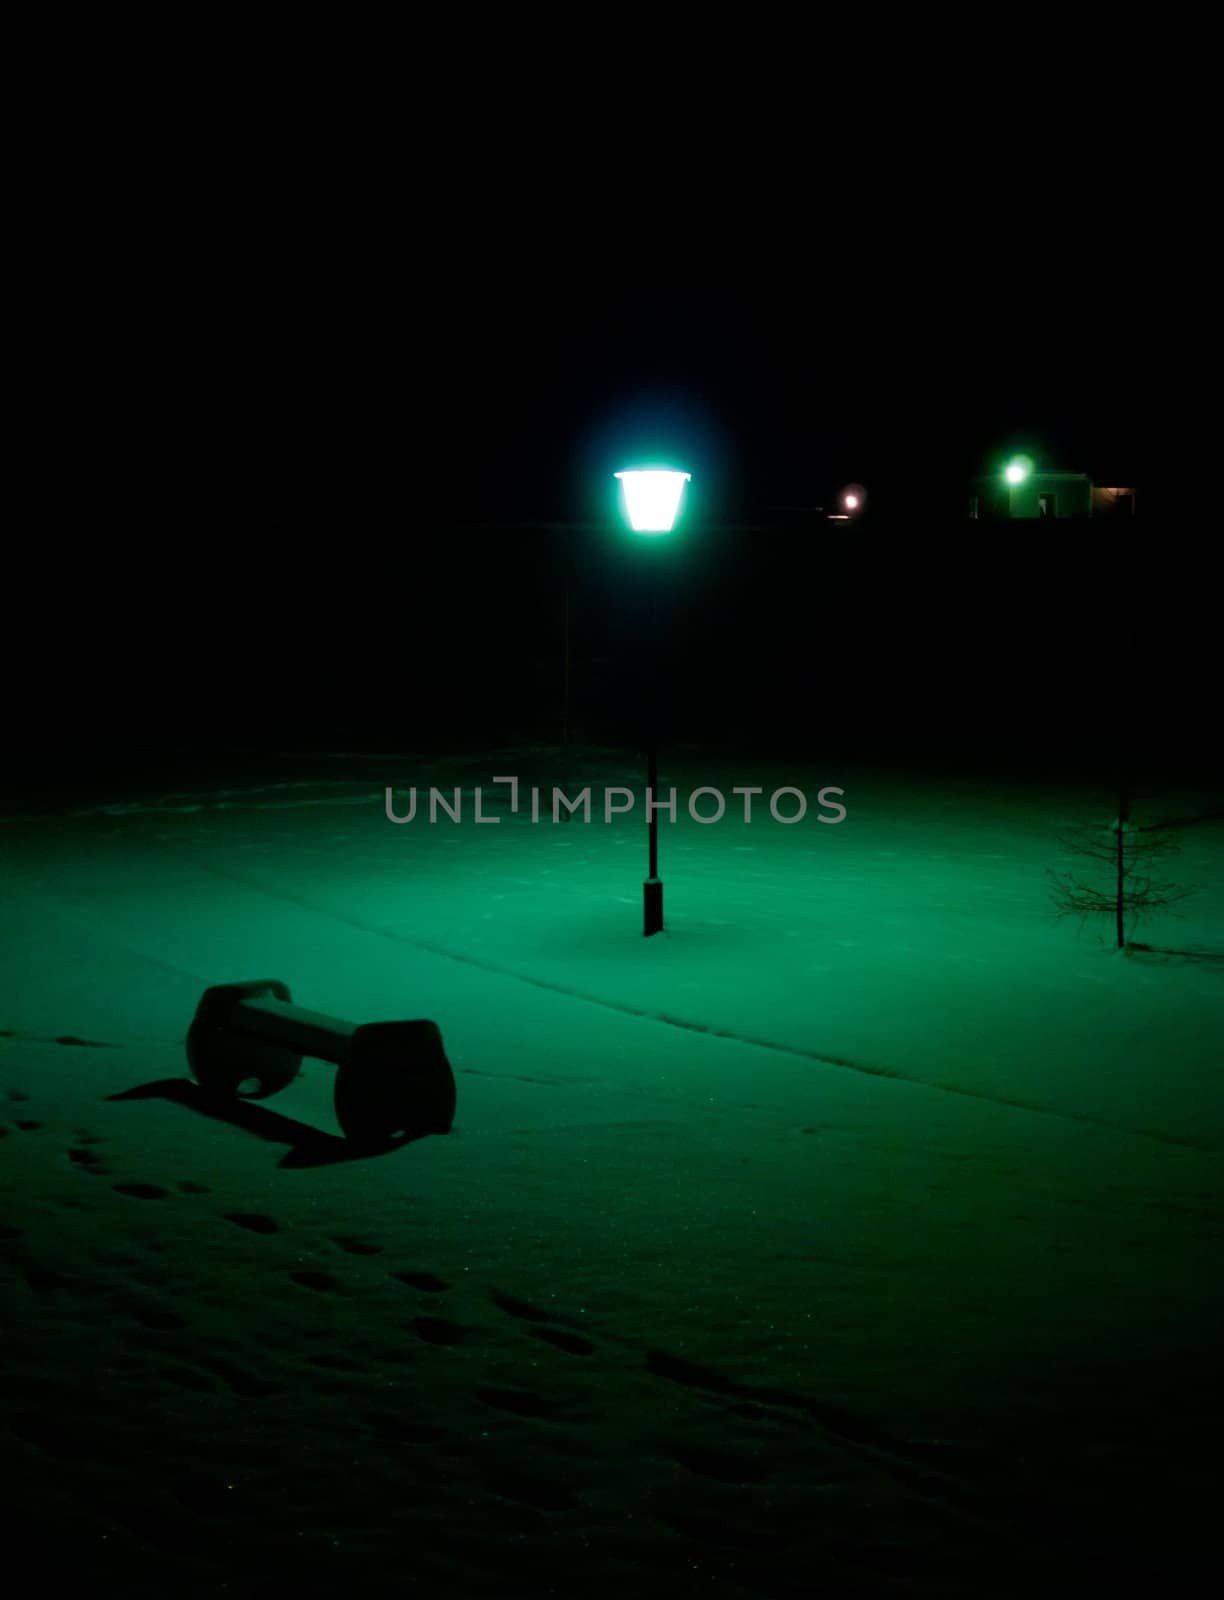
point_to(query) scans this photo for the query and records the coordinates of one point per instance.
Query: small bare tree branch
(1129, 853)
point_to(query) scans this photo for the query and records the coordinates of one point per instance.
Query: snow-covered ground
(859, 1235)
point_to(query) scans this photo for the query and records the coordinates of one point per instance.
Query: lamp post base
(652, 906)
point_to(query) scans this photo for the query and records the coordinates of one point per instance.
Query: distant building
(1112, 502)
(1046, 494)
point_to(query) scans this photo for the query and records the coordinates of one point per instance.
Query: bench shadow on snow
(308, 1147)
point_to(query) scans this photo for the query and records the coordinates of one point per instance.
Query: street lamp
(652, 499)
(652, 495)
(850, 502)
(1017, 470)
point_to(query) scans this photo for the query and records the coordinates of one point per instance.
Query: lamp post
(1018, 491)
(652, 499)
(850, 503)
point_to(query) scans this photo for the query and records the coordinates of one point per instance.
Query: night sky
(503, 377)
(289, 424)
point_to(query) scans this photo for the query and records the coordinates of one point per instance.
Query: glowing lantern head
(652, 496)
